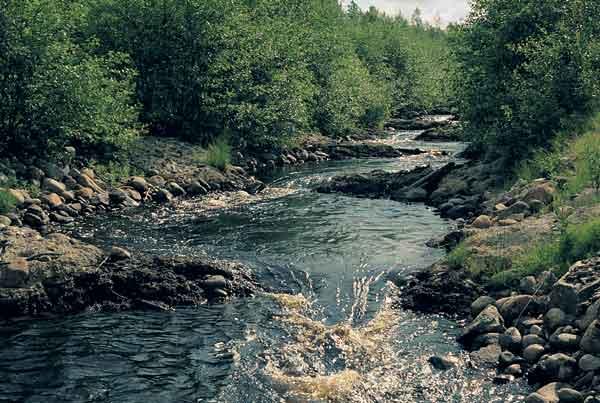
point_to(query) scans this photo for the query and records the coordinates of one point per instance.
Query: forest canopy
(96, 73)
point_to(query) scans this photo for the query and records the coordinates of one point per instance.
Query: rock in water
(590, 342)
(488, 321)
(444, 363)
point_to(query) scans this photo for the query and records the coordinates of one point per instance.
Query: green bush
(55, 90)
(7, 202)
(218, 153)
(525, 70)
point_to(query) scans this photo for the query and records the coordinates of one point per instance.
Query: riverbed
(328, 329)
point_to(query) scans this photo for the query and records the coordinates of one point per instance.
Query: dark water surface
(327, 333)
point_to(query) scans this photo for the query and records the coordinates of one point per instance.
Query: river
(328, 330)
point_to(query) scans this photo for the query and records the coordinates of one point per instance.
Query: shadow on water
(328, 332)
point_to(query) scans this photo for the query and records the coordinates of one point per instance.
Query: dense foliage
(54, 90)
(74, 71)
(527, 69)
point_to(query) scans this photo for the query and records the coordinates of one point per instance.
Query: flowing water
(328, 332)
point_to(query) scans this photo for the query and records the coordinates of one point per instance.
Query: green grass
(113, 172)
(7, 202)
(577, 159)
(218, 153)
(576, 242)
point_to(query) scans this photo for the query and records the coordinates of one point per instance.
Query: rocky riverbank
(545, 329)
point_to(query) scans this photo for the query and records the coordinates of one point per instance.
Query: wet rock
(555, 318)
(487, 356)
(60, 218)
(568, 395)
(117, 253)
(590, 342)
(175, 189)
(14, 273)
(543, 192)
(196, 189)
(88, 182)
(512, 307)
(488, 321)
(482, 222)
(530, 339)
(163, 196)
(589, 362)
(157, 180)
(18, 195)
(484, 340)
(52, 200)
(139, 183)
(549, 393)
(565, 342)
(54, 186)
(515, 370)
(533, 352)
(503, 379)
(519, 207)
(444, 363)
(536, 398)
(480, 304)
(117, 196)
(5, 221)
(511, 340)
(528, 285)
(557, 366)
(84, 193)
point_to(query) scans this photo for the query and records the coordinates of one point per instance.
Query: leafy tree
(54, 90)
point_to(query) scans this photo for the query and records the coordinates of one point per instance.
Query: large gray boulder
(488, 321)
(590, 342)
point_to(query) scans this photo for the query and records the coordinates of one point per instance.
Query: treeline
(96, 73)
(527, 70)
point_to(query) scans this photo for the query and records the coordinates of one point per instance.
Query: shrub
(218, 153)
(7, 202)
(55, 90)
(114, 172)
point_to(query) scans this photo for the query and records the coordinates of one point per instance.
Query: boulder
(514, 370)
(533, 352)
(519, 305)
(488, 321)
(487, 356)
(528, 285)
(589, 362)
(480, 304)
(175, 189)
(139, 184)
(196, 189)
(519, 207)
(590, 342)
(555, 318)
(444, 363)
(511, 340)
(531, 339)
(14, 273)
(117, 254)
(543, 192)
(5, 221)
(52, 200)
(18, 195)
(84, 193)
(163, 196)
(54, 186)
(117, 196)
(157, 180)
(549, 393)
(564, 342)
(482, 222)
(568, 395)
